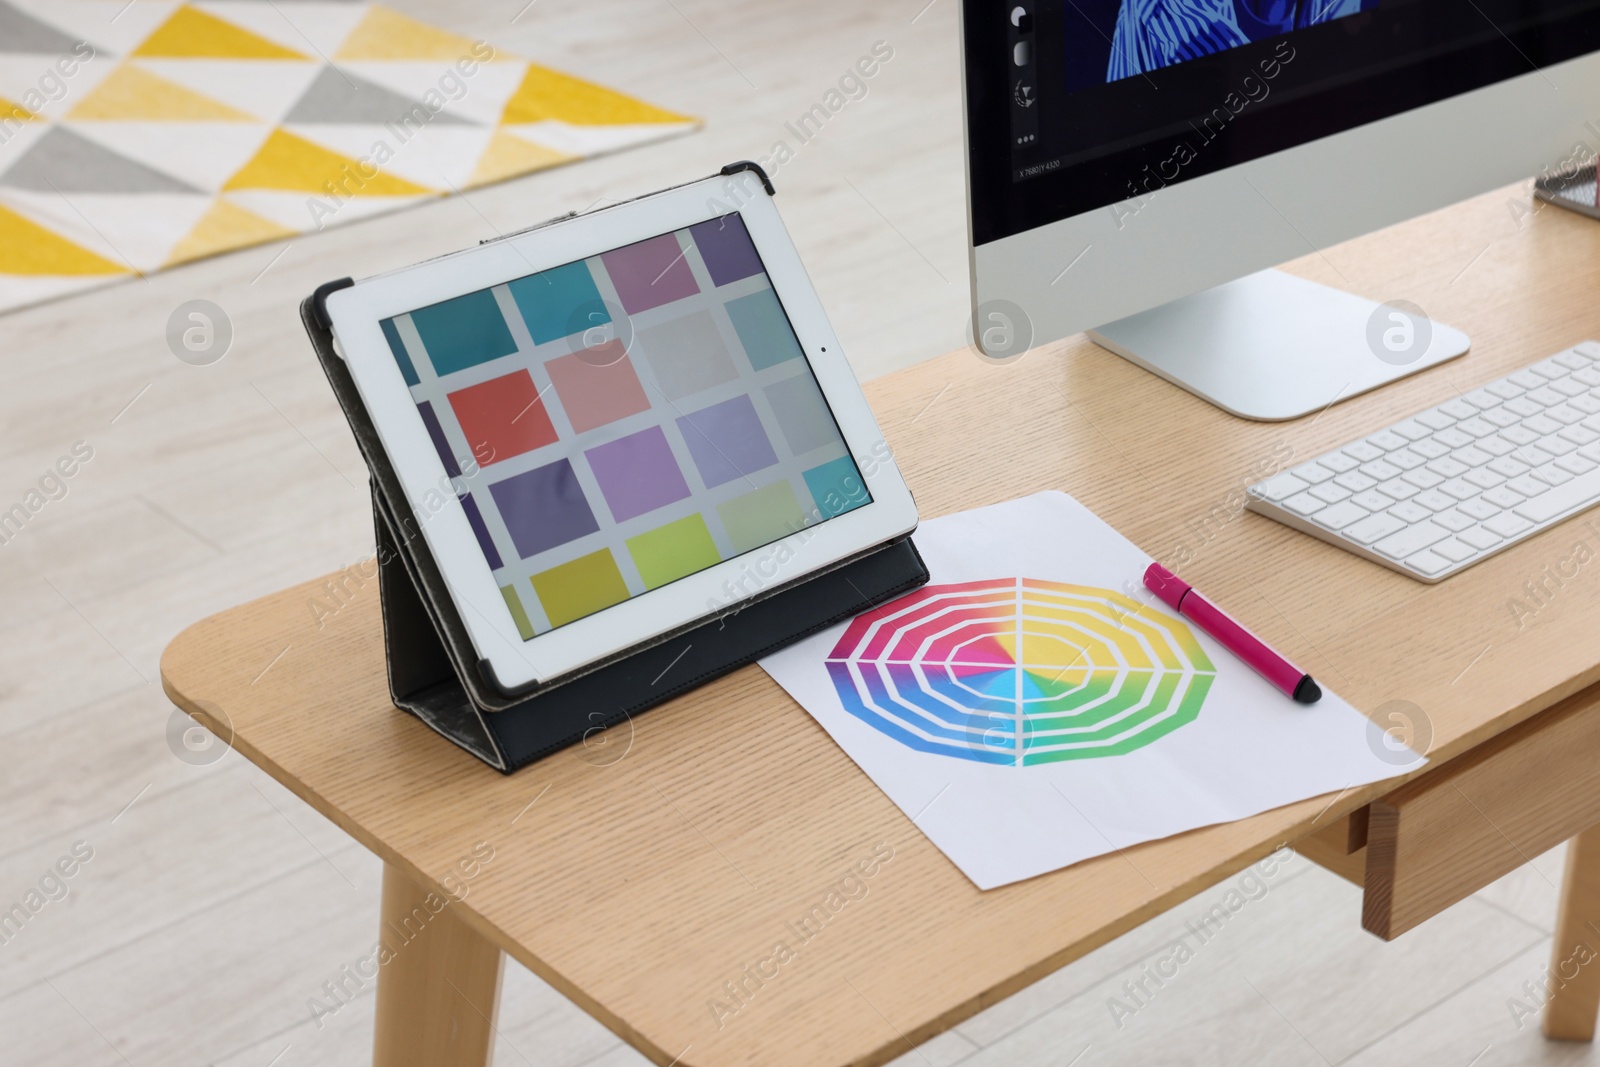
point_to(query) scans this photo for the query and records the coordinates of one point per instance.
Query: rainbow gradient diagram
(1017, 671)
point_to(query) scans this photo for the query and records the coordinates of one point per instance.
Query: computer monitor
(1133, 165)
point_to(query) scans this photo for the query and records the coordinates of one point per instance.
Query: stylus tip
(1307, 692)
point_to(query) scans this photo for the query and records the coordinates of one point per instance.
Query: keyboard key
(1527, 379)
(1372, 500)
(1429, 449)
(1387, 440)
(1527, 485)
(1502, 417)
(1454, 551)
(1355, 481)
(1478, 537)
(1532, 455)
(1479, 507)
(1523, 407)
(1586, 404)
(1588, 348)
(1412, 430)
(1460, 489)
(1373, 528)
(1507, 524)
(1590, 452)
(1448, 467)
(1436, 419)
(1570, 387)
(1545, 397)
(1398, 488)
(1592, 423)
(1579, 435)
(1472, 456)
(1452, 438)
(1500, 498)
(1589, 376)
(1518, 435)
(1337, 462)
(1453, 520)
(1565, 414)
(1380, 470)
(1458, 409)
(1312, 473)
(1508, 467)
(1362, 452)
(1549, 368)
(1477, 427)
(1577, 493)
(1433, 500)
(1507, 390)
(1557, 445)
(1304, 504)
(1573, 360)
(1411, 540)
(1575, 464)
(1340, 515)
(1541, 424)
(1483, 478)
(1482, 399)
(1410, 511)
(1551, 474)
(1429, 563)
(1281, 487)
(1330, 492)
(1422, 479)
(1496, 445)
(1405, 459)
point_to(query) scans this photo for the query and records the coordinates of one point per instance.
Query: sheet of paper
(1034, 705)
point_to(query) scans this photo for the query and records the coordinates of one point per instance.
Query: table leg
(439, 987)
(1575, 955)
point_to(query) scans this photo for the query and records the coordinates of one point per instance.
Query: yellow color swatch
(131, 95)
(14, 112)
(293, 164)
(581, 587)
(549, 94)
(192, 34)
(509, 156)
(385, 34)
(225, 226)
(28, 248)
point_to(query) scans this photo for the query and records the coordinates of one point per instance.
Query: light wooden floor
(216, 905)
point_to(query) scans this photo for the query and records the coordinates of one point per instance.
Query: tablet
(619, 424)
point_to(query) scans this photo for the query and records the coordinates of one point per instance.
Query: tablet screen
(618, 423)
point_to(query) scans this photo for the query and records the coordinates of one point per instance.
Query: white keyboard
(1435, 493)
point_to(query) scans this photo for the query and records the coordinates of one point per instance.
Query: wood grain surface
(651, 877)
(1437, 840)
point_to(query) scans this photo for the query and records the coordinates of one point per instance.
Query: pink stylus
(1181, 597)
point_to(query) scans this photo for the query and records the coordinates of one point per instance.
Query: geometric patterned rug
(138, 134)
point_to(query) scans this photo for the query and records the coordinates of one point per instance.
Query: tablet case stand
(433, 673)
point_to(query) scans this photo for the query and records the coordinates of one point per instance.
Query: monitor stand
(1271, 346)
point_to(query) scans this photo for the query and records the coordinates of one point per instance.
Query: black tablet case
(433, 669)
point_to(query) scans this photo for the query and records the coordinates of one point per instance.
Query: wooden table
(648, 874)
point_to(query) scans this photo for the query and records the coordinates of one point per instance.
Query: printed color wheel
(1019, 671)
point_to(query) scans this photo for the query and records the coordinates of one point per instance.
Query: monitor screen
(618, 423)
(1075, 105)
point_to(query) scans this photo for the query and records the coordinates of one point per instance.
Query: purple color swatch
(485, 542)
(725, 245)
(650, 273)
(543, 508)
(727, 441)
(436, 432)
(637, 473)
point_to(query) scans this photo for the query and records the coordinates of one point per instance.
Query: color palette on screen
(618, 423)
